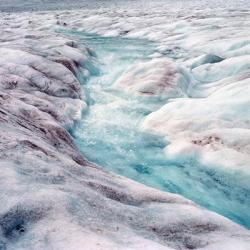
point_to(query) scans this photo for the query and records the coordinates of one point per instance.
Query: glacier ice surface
(51, 196)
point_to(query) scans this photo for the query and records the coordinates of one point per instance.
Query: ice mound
(158, 77)
(203, 59)
(209, 125)
(211, 72)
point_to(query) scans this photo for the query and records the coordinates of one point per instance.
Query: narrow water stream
(109, 135)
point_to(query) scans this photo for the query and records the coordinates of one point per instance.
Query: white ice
(51, 197)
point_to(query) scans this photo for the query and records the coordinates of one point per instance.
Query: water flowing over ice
(164, 101)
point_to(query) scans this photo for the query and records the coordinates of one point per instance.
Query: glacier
(125, 125)
(122, 101)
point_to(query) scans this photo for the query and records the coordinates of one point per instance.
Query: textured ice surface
(203, 129)
(158, 77)
(51, 197)
(109, 133)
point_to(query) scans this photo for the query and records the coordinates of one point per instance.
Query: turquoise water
(109, 134)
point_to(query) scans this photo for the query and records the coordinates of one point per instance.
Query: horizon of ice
(53, 198)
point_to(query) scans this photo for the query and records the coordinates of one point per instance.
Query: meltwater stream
(109, 134)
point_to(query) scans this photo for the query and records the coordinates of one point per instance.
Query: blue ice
(109, 135)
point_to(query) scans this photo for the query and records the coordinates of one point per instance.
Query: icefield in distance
(154, 91)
